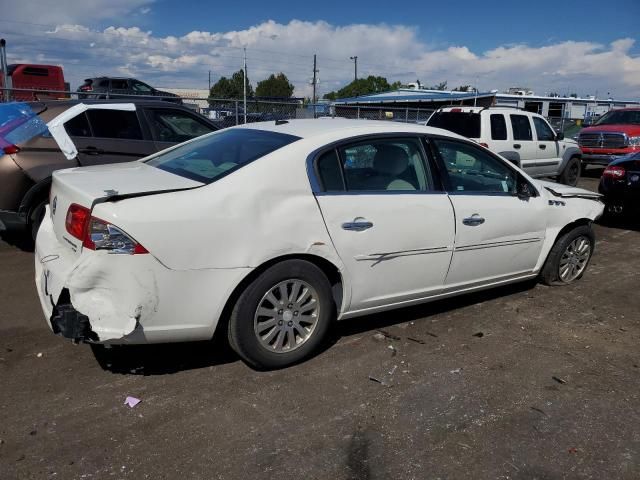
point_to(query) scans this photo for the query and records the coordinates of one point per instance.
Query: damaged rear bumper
(70, 323)
(99, 297)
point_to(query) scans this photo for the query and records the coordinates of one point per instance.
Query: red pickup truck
(615, 134)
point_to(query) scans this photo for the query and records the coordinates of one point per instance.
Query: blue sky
(471, 23)
(564, 47)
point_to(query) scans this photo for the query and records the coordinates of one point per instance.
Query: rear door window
(119, 84)
(498, 127)
(463, 123)
(521, 127)
(78, 126)
(115, 124)
(376, 165)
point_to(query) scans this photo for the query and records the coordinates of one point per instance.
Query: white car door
(499, 234)
(523, 143)
(549, 156)
(390, 224)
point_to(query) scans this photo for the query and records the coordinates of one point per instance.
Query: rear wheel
(282, 316)
(571, 173)
(569, 257)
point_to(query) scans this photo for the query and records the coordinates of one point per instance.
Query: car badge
(634, 178)
(54, 204)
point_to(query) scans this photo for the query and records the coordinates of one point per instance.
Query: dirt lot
(526, 382)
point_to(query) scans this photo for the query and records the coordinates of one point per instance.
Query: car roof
(308, 128)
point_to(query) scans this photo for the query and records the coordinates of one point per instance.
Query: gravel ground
(524, 382)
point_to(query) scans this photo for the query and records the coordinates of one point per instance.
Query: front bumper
(126, 299)
(604, 158)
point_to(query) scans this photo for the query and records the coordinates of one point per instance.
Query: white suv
(522, 137)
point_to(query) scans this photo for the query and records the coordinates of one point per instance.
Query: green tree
(361, 86)
(463, 88)
(275, 86)
(231, 87)
(439, 86)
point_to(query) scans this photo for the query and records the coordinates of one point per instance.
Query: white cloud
(74, 11)
(393, 51)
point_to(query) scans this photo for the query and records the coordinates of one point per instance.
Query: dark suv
(29, 154)
(113, 87)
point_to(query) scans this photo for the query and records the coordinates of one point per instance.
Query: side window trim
(318, 188)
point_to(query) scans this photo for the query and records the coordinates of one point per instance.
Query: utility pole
(355, 63)
(4, 94)
(245, 85)
(209, 81)
(315, 80)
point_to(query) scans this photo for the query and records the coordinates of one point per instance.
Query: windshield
(618, 117)
(466, 124)
(19, 123)
(214, 156)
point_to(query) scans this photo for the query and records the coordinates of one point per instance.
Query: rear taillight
(77, 219)
(86, 88)
(615, 172)
(9, 149)
(103, 235)
(96, 234)
(485, 145)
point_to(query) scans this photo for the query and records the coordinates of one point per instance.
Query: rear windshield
(620, 117)
(214, 156)
(466, 124)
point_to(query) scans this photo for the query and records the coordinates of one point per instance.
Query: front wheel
(569, 257)
(282, 316)
(571, 173)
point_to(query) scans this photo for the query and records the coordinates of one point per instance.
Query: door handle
(542, 146)
(357, 225)
(516, 146)
(474, 220)
(92, 150)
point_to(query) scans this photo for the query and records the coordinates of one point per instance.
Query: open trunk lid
(90, 185)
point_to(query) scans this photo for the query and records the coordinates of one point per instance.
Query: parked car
(121, 88)
(48, 79)
(620, 185)
(522, 137)
(614, 135)
(269, 231)
(30, 153)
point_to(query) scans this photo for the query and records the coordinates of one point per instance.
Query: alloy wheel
(286, 316)
(574, 259)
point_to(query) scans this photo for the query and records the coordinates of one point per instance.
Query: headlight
(634, 141)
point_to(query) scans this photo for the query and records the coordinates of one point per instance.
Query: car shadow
(19, 240)
(621, 222)
(164, 359)
(592, 171)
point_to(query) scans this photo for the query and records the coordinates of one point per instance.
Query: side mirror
(560, 136)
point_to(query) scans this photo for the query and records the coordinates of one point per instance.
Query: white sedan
(272, 230)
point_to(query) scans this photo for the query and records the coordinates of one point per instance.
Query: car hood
(565, 191)
(631, 130)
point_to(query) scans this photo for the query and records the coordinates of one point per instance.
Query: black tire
(35, 218)
(242, 335)
(571, 173)
(550, 273)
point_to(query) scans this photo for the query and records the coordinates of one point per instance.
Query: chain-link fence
(395, 114)
(229, 112)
